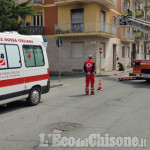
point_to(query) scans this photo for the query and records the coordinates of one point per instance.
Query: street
(122, 109)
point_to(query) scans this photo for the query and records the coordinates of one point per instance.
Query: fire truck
(141, 68)
(141, 71)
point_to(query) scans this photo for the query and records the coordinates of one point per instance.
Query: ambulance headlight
(45, 39)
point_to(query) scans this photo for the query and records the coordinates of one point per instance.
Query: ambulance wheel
(34, 97)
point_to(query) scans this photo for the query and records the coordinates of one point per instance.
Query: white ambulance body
(24, 68)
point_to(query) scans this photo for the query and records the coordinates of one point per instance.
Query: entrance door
(103, 21)
(114, 57)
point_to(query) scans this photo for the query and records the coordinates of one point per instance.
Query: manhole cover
(64, 126)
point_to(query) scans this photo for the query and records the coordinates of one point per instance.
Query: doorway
(103, 21)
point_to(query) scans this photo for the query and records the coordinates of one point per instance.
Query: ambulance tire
(34, 97)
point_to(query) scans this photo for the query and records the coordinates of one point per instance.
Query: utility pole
(59, 44)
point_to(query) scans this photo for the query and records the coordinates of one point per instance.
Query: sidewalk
(54, 80)
(116, 73)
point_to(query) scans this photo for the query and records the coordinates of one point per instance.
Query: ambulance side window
(29, 56)
(3, 60)
(33, 56)
(39, 59)
(13, 56)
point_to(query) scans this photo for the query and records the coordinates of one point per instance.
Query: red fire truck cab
(141, 69)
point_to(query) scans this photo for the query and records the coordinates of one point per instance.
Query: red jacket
(89, 66)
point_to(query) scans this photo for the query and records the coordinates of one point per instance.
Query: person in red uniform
(89, 68)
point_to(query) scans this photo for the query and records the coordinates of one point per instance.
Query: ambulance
(24, 68)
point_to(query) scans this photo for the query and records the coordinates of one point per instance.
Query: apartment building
(85, 26)
(42, 23)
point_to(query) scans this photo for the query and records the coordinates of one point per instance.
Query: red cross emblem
(29, 56)
(2, 62)
(89, 65)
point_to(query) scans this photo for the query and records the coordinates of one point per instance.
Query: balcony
(140, 1)
(37, 3)
(111, 4)
(92, 28)
(139, 13)
(128, 37)
(138, 35)
(148, 4)
(35, 30)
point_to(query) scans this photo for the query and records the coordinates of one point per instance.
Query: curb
(122, 73)
(56, 85)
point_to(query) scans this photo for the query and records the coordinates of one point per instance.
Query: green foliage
(12, 16)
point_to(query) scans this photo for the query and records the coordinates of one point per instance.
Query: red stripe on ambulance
(17, 81)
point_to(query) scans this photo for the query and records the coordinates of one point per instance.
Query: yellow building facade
(85, 26)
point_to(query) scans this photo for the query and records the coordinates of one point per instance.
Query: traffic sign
(100, 50)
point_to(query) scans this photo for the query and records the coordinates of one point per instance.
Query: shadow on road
(13, 107)
(81, 95)
(137, 83)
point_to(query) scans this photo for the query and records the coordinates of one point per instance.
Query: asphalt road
(122, 109)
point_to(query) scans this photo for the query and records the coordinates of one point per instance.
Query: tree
(12, 16)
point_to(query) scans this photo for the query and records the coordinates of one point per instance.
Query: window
(128, 52)
(38, 20)
(128, 4)
(138, 51)
(33, 56)
(39, 59)
(123, 51)
(114, 21)
(137, 64)
(77, 20)
(77, 50)
(9, 57)
(13, 56)
(103, 16)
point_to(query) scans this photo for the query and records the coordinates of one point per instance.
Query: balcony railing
(148, 4)
(35, 30)
(37, 1)
(128, 36)
(114, 1)
(139, 13)
(85, 28)
(139, 35)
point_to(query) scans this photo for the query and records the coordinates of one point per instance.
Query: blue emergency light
(45, 39)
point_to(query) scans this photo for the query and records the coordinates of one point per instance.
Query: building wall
(91, 13)
(50, 19)
(48, 1)
(91, 43)
(91, 46)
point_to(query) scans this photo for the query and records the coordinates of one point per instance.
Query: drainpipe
(145, 20)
